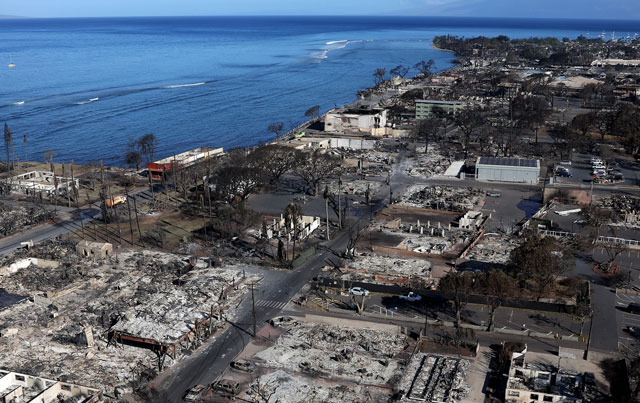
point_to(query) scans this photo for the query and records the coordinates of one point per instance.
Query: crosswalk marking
(271, 304)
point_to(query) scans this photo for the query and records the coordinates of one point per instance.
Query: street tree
(8, 143)
(497, 287)
(426, 130)
(530, 112)
(292, 217)
(583, 123)
(400, 71)
(133, 159)
(378, 76)
(539, 262)
(276, 128)
(313, 112)
(425, 68)
(276, 160)
(316, 167)
(147, 145)
(237, 183)
(467, 121)
(457, 286)
(603, 122)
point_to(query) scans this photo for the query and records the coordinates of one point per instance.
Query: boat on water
(11, 63)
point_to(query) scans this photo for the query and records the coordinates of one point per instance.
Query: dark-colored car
(633, 308)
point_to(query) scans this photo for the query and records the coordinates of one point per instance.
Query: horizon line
(14, 17)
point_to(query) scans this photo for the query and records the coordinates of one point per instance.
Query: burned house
(17, 387)
(357, 119)
(42, 182)
(532, 382)
(94, 249)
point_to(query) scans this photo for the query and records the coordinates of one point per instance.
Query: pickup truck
(411, 297)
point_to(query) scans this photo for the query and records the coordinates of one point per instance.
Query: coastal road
(69, 219)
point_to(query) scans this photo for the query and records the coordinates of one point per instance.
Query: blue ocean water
(85, 87)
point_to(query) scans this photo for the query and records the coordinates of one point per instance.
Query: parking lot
(515, 319)
(580, 170)
(628, 328)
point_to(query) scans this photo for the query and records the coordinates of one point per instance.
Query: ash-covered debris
(626, 209)
(352, 354)
(355, 187)
(429, 164)
(18, 218)
(283, 387)
(390, 265)
(435, 378)
(493, 249)
(63, 331)
(444, 198)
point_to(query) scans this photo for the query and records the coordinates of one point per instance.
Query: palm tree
(292, 216)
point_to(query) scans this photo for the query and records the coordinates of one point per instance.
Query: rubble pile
(390, 265)
(435, 378)
(355, 187)
(63, 332)
(169, 314)
(448, 198)
(431, 244)
(430, 164)
(626, 208)
(14, 219)
(360, 355)
(493, 249)
(283, 387)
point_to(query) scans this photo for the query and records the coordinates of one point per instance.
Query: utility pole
(339, 202)
(326, 208)
(126, 193)
(253, 310)
(135, 207)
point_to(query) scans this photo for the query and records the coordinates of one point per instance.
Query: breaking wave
(185, 85)
(88, 101)
(18, 103)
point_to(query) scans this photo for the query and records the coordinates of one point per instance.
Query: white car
(358, 291)
(411, 297)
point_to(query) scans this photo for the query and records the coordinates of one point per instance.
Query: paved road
(207, 365)
(69, 220)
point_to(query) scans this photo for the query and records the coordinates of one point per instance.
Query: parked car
(493, 194)
(243, 366)
(565, 162)
(633, 308)
(226, 386)
(194, 393)
(411, 297)
(358, 291)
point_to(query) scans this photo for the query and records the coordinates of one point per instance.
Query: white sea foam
(18, 103)
(334, 42)
(184, 85)
(88, 101)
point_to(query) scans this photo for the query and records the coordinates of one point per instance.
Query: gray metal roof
(509, 162)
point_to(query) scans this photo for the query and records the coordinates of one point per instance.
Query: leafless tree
(275, 160)
(497, 287)
(276, 128)
(313, 112)
(540, 261)
(316, 167)
(457, 285)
